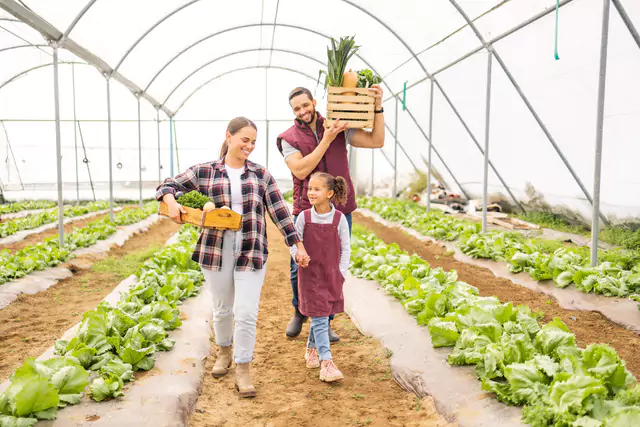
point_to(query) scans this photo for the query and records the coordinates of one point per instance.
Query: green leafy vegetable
(193, 199)
(366, 78)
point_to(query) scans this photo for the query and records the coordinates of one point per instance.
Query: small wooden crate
(221, 219)
(356, 110)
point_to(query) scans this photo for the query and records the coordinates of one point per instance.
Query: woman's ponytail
(224, 149)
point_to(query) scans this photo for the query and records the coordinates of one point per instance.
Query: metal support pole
(266, 111)
(395, 154)
(75, 131)
(429, 162)
(267, 148)
(139, 152)
(170, 146)
(485, 180)
(159, 160)
(604, 41)
(110, 149)
(56, 96)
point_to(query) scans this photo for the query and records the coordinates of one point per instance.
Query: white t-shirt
(288, 149)
(236, 187)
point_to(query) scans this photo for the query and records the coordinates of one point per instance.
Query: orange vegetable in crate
(350, 79)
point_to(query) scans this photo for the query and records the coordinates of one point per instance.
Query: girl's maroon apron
(320, 284)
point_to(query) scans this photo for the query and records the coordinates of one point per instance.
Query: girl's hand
(302, 257)
(208, 207)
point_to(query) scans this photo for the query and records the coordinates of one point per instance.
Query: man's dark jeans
(294, 270)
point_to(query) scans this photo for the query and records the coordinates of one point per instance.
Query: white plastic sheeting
(209, 61)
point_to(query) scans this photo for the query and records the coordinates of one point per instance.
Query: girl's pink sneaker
(329, 372)
(311, 356)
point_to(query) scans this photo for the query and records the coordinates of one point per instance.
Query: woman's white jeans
(236, 296)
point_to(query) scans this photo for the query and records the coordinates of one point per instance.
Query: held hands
(332, 131)
(302, 257)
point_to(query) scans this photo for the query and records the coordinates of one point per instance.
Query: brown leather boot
(223, 362)
(243, 381)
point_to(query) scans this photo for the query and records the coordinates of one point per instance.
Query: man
(307, 147)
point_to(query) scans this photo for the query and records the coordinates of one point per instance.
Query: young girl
(325, 233)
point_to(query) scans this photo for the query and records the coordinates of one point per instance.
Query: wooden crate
(221, 219)
(356, 110)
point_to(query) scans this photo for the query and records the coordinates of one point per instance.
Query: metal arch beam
(51, 33)
(22, 73)
(153, 27)
(238, 52)
(275, 24)
(23, 46)
(490, 42)
(78, 17)
(528, 104)
(627, 21)
(391, 30)
(253, 67)
(227, 30)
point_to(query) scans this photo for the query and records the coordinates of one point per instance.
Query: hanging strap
(556, 38)
(404, 97)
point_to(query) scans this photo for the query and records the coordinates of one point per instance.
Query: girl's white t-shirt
(236, 187)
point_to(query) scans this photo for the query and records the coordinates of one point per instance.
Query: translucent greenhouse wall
(207, 62)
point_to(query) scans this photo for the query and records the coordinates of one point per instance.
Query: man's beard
(313, 117)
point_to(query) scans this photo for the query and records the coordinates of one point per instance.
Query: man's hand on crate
(376, 92)
(332, 131)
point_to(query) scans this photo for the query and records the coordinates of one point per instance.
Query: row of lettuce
(617, 273)
(112, 342)
(27, 205)
(49, 253)
(541, 368)
(35, 220)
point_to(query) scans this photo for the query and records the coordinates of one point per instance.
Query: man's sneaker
(311, 356)
(329, 372)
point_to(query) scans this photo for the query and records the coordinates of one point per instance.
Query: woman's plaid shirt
(259, 193)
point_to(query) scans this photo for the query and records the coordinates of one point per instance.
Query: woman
(234, 263)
